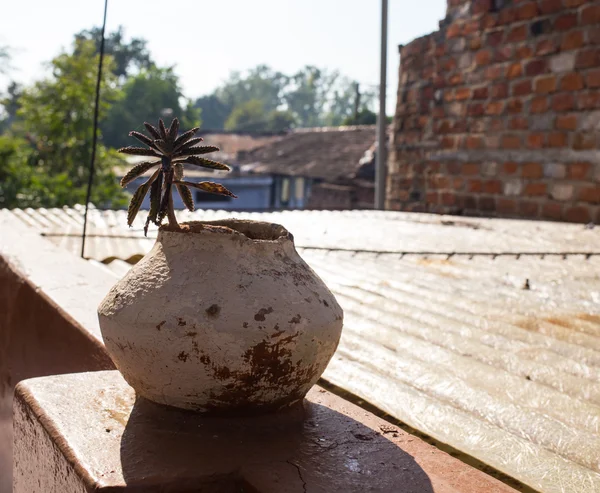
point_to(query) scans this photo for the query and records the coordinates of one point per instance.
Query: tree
(151, 93)
(251, 117)
(129, 56)
(50, 163)
(4, 60)
(10, 106)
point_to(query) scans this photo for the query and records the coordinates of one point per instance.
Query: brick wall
(498, 113)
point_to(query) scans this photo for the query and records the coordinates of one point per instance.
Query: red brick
(572, 40)
(593, 35)
(473, 142)
(475, 43)
(492, 141)
(527, 11)
(539, 105)
(589, 100)
(496, 124)
(565, 101)
(532, 170)
(588, 58)
(482, 6)
(535, 189)
(475, 109)
(565, 22)
(454, 30)
(517, 34)
(590, 194)
(506, 206)
(449, 64)
(536, 67)
(524, 52)
(448, 198)
(521, 88)
(535, 141)
(453, 168)
(431, 197)
(510, 168)
(483, 57)
(448, 142)
(546, 47)
(514, 70)
(545, 84)
(507, 16)
(503, 54)
(514, 106)
(470, 169)
(552, 210)
(518, 123)
(487, 203)
(578, 171)
(462, 93)
(571, 82)
(592, 78)
(550, 6)
(578, 214)
(472, 26)
(566, 122)
(591, 14)
(455, 79)
(474, 186)
(494, 38)
(557, 139)
(574, 3)
(480, 93)
(500, 91)
(494, 72)
(583, 142)
(494, 108)
(489, 21)
(493, 187)
(510, 142)
(528, 209)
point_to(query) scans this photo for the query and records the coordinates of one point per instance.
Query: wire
(95, 134)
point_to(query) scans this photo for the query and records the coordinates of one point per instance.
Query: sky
(206, 41)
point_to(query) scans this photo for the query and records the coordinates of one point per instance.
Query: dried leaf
(162, 129)
(142, 138)
(203, 162)
(138, 198)
(186, 196)
(173, 129)
(184, 137)
(191, 151)
(208, 186)
(155, 191)
(164, 203)
(137, 170)
(190, 143)
(152, 130)
(138, 151)
(178, 173)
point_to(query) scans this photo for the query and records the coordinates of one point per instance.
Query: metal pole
(381, 156)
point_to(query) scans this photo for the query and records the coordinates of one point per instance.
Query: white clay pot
(222, 317)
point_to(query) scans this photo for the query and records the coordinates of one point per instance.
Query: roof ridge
(346, 128)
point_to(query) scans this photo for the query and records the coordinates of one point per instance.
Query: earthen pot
(223, 317)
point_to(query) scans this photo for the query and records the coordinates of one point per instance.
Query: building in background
(498, 113)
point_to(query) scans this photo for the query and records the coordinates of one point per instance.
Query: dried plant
(173, 151)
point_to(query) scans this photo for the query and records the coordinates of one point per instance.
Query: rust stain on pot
(213, 310)
(588, 317)
(159, 326)
(245, 325)
(260, 316)
(191, 334)
(204, 359)
(181, 322)
(296, 319)
(183, 356)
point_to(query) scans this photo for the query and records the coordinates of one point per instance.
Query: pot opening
(254, 230)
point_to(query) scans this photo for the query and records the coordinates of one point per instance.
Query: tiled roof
(330, 153)
(482, 333)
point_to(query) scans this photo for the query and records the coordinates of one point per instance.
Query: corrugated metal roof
(484, 334)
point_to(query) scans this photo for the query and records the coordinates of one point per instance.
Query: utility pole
(381, 156)
(356, 102)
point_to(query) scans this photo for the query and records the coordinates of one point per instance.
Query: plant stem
(171, 214)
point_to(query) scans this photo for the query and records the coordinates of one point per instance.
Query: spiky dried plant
(173, 151)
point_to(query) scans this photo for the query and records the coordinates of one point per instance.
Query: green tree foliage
(129, 56)
(263, 99)
(251, 117)
(46, 158)
(154, 91)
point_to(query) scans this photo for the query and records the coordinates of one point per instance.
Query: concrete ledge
(86, 432)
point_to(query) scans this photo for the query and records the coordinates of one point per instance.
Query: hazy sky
(206, 40)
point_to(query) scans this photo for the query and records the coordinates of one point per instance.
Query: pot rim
(258, 231)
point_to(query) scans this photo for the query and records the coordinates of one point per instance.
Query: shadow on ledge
(308, 449)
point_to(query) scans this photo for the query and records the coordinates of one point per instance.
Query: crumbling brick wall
(498, 113)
